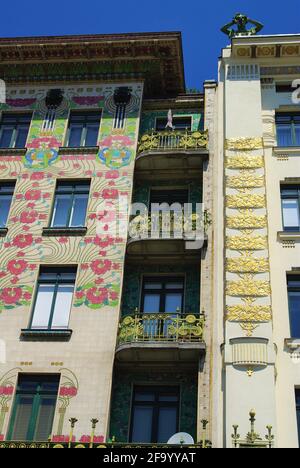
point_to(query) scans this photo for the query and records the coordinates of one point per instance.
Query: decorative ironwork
(170, 140)
(161, 328)
(205, 443)
(253, 439)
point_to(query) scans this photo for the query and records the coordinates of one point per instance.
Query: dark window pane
(298, 411)
(6, 137)
(75, 136)
(167, 424)
(44, 419)
(142, 424)
(23, 416)
(5, 202)
(91, 135)
(294, 306)
(21, 137)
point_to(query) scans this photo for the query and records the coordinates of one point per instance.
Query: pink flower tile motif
(62, 439)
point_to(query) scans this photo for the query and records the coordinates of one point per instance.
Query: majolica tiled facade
(91, 364)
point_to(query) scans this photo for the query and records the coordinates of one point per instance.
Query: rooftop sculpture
(242, 23)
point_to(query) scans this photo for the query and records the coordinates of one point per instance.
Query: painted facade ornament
(116, 151)
(68, 390)
(242, 25)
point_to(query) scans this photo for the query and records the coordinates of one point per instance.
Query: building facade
(259, 147)
(103, 335)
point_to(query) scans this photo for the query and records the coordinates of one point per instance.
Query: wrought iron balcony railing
(35, 445)
(161, 328)
(167, 140)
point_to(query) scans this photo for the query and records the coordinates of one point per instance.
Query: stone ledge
(288, 236)
(45, 335)
(66, 150)
(67, 232)
(3, 232)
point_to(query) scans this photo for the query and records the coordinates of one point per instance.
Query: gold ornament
(246, 201)
(245, 181)
(246, 221)
(244, 162)
(244, 144)
(248, 287)
(249, 313)
(247, 265)
(247, 243)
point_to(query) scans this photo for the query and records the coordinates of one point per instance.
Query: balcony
(168, 235)
(161, 338)
(172, 150)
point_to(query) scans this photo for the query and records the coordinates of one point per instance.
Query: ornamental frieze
(244, 162)
(249, 313)
(245, 181)
(241, 243)
(244, 144)
(247, 265)
(248, 287)
(246, 221)
(246, 200)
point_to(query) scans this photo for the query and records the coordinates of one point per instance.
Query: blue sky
(199, 21)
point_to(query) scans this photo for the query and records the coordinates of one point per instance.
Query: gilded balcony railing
(168, 140)
(104, 445)
(161, 328)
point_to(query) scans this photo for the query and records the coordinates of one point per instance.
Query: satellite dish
(182, 438)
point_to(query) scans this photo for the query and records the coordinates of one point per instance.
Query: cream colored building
(259, 149)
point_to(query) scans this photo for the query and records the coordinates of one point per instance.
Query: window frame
(290, 197)
(15, 125)
(297, 403)
(163, 291)
(189, 128)
(291, 125)
(84, 122)
(57, 283)
(292, 289)
(72, 194)
(11, 184)
(40, 379)
(156, 404)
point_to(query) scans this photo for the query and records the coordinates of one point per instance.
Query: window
(53, 300)
(294, 304)
(83, 129)
(170, 197)
(162, 294)
(290, 199)
(70, 205)
(284, 88)
(6, 195)
(155, 414)
(180, 123)
(14, 130)
(288, 129)
(298, 411)
(34, 408)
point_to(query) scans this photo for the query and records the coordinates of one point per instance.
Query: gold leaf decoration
(244, 162)
(248, 313)
(246, 201)
(246, 221)
(245, 181)
(244, 144)
(247, 265)
(247, 287)
(247, 243)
